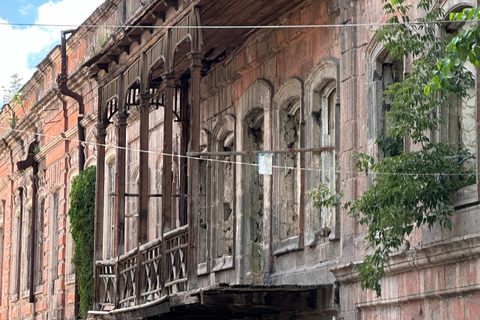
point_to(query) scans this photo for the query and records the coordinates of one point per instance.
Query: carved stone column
(194, 164)
(142, 225)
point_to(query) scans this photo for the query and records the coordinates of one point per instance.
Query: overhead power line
(159, 153)
(233, 27)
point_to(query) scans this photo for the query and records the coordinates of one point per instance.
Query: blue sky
(22, 11)
(28, 45)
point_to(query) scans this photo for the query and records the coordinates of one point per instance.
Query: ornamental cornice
(434, 254)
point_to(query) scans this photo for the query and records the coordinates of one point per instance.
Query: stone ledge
(434, 254)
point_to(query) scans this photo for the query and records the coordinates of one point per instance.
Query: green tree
(82, 217)
(413, 189)
(463, 47)
(12, 93)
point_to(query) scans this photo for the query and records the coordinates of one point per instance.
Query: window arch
(26, 245)
(16, 242)
(287, 178)
(253, 208)
(460, 124)
(39, 239)
(322, 125)
(223, 193)
(206, 182)
(132, 204)
(70, 267)
(109, 206)
(382, 71)
(55, 207)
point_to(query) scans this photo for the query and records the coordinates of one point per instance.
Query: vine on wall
(82, 217)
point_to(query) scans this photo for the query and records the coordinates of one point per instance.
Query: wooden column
(120, 186)
(194, 165)
(167, 150)
(142, 225)
(99, 199)
(121, 179)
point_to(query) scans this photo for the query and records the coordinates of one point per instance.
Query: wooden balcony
(142, 275)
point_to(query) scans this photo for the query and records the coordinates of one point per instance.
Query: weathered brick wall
(44, 117)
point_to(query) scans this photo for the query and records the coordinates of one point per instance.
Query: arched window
(460, 119)
(204, 225)
(322, 128)
(26, 245)
(253, 205)
(109, 222)
(39, 240)
(54, 220)
(223, 194)
(287, 177)
(70, 267)
(132, 204)
(16, 242)
(253, 140)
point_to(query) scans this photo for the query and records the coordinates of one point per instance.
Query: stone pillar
(167, 150)
(99, 199)
(142, 225)
(194, 164)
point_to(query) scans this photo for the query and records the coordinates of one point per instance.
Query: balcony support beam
(194, 165)
(167, 158)
(142, 225)
(99, 198)
(120, 184)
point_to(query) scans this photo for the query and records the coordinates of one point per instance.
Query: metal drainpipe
(33, 232)
(63, 89)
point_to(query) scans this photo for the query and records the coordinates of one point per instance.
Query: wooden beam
(99, 198)
(158, 15)
(172, 3)
(143, 178)
(103, 66)
(113, 57)
(120, 186)
(167, 149)
(167, 175)
(134, 38)
(194, 164)
(147, 27)
(125, 48)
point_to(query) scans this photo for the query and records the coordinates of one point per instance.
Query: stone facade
(174, 119)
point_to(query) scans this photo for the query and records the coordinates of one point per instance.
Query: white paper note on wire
(265, 163)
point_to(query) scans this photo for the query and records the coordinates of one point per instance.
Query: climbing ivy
(410, 189)
(82, 214)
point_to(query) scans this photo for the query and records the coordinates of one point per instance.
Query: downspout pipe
(33, 232)
(63, 89)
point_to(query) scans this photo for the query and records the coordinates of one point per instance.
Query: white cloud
(26, 8)
(66, 12)
(22, 44)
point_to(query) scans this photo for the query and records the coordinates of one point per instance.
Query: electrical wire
(163, 154)
(167, 27)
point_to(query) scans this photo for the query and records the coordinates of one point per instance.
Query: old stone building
(174, 112)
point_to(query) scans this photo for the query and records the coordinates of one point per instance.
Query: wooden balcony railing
(141, 275)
